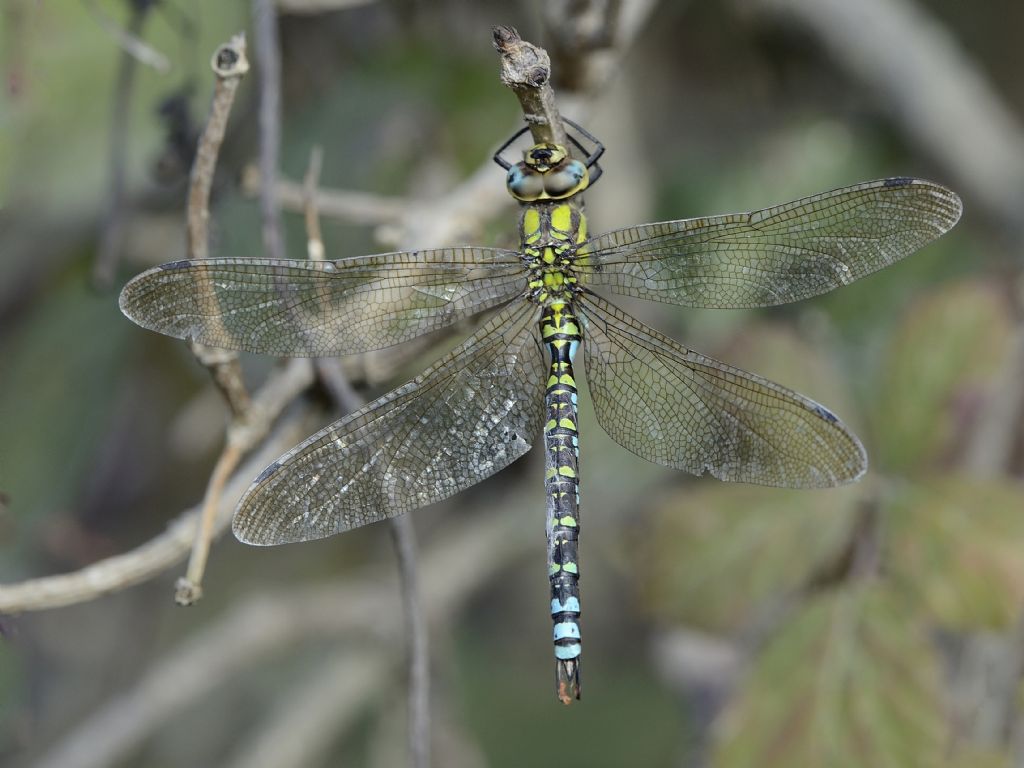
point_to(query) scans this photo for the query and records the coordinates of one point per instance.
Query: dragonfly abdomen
(561, 334)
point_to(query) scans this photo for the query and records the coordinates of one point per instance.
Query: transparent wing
(775, 255)
(469, 415)
(327, 308)
(680, 409)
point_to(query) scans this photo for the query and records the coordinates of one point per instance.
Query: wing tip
(127, 300)
(854, 470)
(856, 464)
(172, 265)
(245, 525)
(951, 201)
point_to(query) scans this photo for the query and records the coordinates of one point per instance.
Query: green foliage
(947, 349)
(851, 679)
(717, 553)
(955, 545)
(848, 683)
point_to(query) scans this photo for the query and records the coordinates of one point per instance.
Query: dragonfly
(483, 405)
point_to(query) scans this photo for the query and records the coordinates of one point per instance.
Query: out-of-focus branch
(588, 39)
(305, 720)
(402, 533)
(170, 547)
(229, 64)
(112, 230)
(243, 435)
(404, 537)
(989, 451)
(343, 204)
(299, 7)
(268, 59)
(128, 39)
(314, 237)
(578, 29)
(938, 95)
(460, 561)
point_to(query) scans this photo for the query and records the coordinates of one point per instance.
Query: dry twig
(112, 231)
(461, 561)
(526, 69)
(268, 56)
(402, 533)
(342, 204)
(229, 64)
(300, 7)
(128, 39)
(934, 91)
(304, 721)
(170, 547)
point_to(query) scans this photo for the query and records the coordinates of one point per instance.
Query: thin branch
(306, 719)
(129, 40)
(990, 448)
(404, 537)
(588, 39)
(311, 211)
(526, 69)
(342, 204)
(189, 589)
(460, 561)
(578, 29)
(939, 96)
(329, 370)
(402, 532)
(300, 7)
(112, 231)
(170, 547)
(268, 57)
(229, 64)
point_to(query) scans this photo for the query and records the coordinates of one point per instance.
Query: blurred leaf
(57, 388)
(976, 758)
(717, 552)
(956, 544)
(947, 350)
(778, 353)
(849, 683)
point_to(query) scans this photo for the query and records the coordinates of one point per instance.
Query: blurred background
(876, 625)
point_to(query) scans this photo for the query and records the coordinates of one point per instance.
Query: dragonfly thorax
(551, 237)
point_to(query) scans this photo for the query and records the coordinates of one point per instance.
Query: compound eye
(524, 183)
(567, 179)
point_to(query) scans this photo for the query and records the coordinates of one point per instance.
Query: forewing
(776, 255)
(469, 415)
(321, 308)
(678, 408)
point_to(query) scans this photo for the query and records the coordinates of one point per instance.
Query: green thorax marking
(550, 234)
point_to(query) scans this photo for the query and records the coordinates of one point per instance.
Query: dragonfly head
(546, 173)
